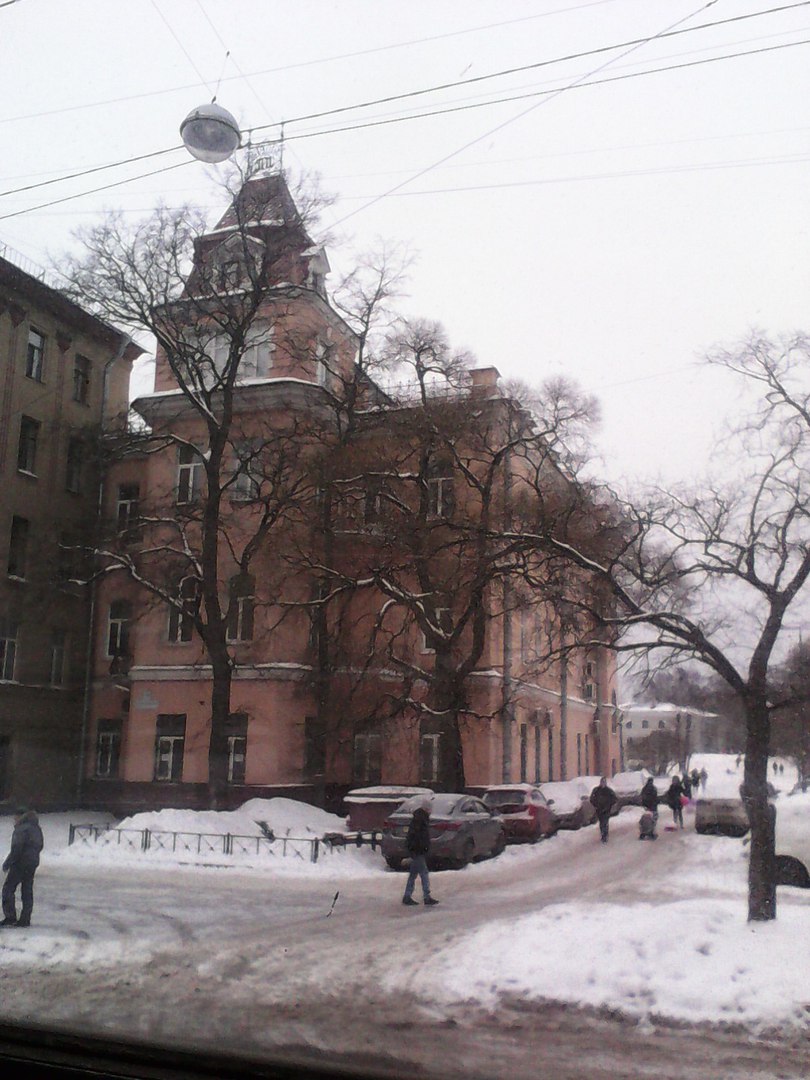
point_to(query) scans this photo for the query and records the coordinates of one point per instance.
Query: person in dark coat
(417, 843)
(20, 866)
(686, 784)
(649, 800)
(694, 776)
(673, 800)
(603, 799)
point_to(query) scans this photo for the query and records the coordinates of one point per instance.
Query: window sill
(27, 472)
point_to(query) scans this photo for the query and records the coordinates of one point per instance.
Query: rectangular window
(240, 610)
(58, 657)
(368, 758)
(181, 618)
(246, 481)
(587, 769)
(189, 474)
(8, 649)
(118, 629)
(127, 511)
(27, 450)
(74, 471)
(314, 746)
(81, 379)
(441, 496)
(429, 744)
(524, 753)
(170, 737)
(108, 748)
(18, 547)
(35, 356)
(237, 747)
(579, 754)
(537, 753)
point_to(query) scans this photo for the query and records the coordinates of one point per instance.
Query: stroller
(646, 826)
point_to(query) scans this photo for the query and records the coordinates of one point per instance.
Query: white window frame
(108, 751)
(118, 629)
(35, 355)
(180, 628)
(367, 745)
(237, 753)
(127, 507)
(246, 487)
(438, 617)
(166, 747)
(439, 502)
(431, 739)
(81, 379)
(27, 446)
(9, 632)
(238, 617)
(189, 474)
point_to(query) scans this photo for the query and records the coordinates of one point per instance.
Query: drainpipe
(126, 341)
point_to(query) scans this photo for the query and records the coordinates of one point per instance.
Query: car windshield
(512, 797)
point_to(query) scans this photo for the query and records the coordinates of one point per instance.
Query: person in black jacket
(20, 866)
(417, 843)
(673, 800)
(649, 800)
(603, 799)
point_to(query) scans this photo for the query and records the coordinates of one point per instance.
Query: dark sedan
(462, 828)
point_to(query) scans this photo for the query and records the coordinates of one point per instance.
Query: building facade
(365, 631)
(63, 373)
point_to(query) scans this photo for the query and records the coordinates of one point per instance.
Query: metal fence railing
(308, 849)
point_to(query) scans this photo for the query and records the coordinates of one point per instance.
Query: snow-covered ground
(679, 947)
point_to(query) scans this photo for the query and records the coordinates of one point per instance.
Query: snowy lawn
(688, 958)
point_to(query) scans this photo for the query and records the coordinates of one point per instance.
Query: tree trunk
(218, 742)
(446, 703)
(762, 816)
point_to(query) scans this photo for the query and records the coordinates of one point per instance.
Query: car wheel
(394, 862)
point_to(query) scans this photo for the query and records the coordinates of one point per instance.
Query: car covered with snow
(523, 810)
(628, 785)
(726, 817)
(569, 802)
(462, 829)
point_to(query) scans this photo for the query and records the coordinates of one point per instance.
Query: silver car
(461, 829)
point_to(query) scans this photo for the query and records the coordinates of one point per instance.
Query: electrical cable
(409, 94)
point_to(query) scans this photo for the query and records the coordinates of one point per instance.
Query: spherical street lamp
(210, 133)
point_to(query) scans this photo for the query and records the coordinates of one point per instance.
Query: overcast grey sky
(613, 232)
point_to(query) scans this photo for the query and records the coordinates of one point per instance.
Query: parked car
(569, 803)
(726, 817)
(523, 810)
(462, 828)
(628, 785)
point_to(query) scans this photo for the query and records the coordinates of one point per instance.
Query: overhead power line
(633, 43)
(548, 94)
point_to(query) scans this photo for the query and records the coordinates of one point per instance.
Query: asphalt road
(229, 962)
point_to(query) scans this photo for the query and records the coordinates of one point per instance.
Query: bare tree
(712, 574)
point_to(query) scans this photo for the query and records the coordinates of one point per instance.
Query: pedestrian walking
(20, 866)
(649, 800)
(673, 800)
(417, 843)
(686, 783)
(704, 777)
(694, 776)
(603, 800)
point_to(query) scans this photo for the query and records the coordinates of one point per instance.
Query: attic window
(229, 274)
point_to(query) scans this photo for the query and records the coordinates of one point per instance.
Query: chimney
(485, 381)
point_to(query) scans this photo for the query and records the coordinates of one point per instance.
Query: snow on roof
(385, 792)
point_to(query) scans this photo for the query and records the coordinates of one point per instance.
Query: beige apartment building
(63, 373)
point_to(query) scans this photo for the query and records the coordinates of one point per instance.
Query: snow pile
(715, 966)
(285, 817)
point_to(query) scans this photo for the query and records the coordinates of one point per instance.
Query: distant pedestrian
(686, 783)
(781, 769)
(775, 768)
(603, 800)
(694, 776)
(20, 866)
(739, 759)
(704, 778)
(673, 800)
(649, 800)
(417, 844)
